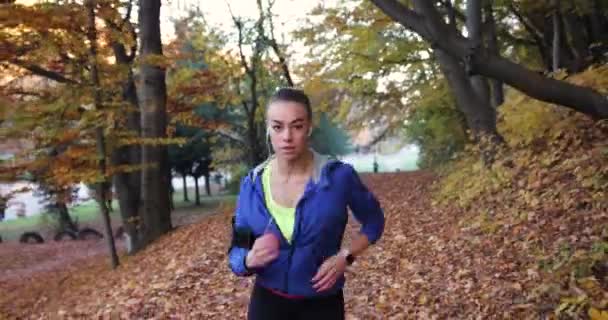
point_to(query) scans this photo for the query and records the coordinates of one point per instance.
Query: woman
(290, 220)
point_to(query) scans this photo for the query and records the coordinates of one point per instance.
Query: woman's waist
(299, 293)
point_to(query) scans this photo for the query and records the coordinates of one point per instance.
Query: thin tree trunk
(101, 186)
(197, 196)
(557, 36)
(208, 184)
(275, 46)
(479, 83)
(599, 28)
(540, 39)
(497, 88)
(170, 191)
(576, 41)
(152, 97)
(185, 186)
(65, 220)
(128, 184)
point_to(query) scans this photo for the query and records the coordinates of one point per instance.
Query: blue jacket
(321, 217)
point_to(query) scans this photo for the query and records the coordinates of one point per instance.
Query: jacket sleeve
(242, 239)
(365, 207)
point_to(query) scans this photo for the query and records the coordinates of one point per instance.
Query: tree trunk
(540, 38)
(185, 186)
(599, 29)
(479, 83)
(577, 41)
(152, 100)
(255, 154)
(557, 36)
(170, 192)
(208, 184)
(197, 196)
(497, 88)
(65, 220)
(431, 27)
(102, 186)
(480, 116)
(128, 184)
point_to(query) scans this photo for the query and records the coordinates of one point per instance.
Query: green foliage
(358, 59)
(436, 126)
(329, 138)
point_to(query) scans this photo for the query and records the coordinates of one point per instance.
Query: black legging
(266, 305)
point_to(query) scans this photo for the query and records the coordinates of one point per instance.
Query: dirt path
(428, 265)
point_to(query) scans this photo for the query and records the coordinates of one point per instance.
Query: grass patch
(88, 212)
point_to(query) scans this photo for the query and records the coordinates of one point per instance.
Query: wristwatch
(347, 256)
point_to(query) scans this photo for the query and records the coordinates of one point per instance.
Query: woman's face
(288, 128)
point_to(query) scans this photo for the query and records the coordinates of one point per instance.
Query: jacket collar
(320, 161)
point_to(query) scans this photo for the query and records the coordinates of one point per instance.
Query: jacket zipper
(291, 245)
(292, 249)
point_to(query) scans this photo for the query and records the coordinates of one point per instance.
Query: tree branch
(239, 26)
(432, 28)
(532, 30)
(403, 15)
(275, 45)
(38, 70)
(231, 137)
(404, 60)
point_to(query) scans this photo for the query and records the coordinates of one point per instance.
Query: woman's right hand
(263, 252)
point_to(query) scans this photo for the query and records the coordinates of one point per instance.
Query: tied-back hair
(290, 94)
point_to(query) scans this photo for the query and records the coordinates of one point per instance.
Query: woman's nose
(287, 134)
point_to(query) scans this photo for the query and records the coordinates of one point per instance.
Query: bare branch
(275, 45)
(38, 70)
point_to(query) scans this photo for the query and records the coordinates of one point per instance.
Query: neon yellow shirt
(284, 217)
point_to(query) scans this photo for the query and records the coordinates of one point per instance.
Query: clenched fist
(265, 249)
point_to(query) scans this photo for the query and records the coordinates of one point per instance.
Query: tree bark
(577, 41)
(433, 29)
(599, 28)
(480, 116)
(65, 220)
(170, 191)
(207, 184)
(101, 186)
(479, 83)
(197, 196)
(152, 100)
(557, 36)
(497, 88)
(185, 186)
(128, 184)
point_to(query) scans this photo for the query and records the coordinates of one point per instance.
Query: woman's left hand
(329, 272)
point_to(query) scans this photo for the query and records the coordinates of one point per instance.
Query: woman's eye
(276, 128)
(299, 127)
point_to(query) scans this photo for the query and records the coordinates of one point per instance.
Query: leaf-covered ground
(429, 264)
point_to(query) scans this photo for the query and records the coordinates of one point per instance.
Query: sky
(289, 14)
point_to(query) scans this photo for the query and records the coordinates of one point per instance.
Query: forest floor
(432, 262)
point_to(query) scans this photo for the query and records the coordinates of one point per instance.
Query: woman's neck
(295, 167)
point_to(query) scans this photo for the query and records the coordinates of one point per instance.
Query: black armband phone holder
(242, 237)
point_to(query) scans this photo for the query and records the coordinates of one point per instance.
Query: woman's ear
(310, 131)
